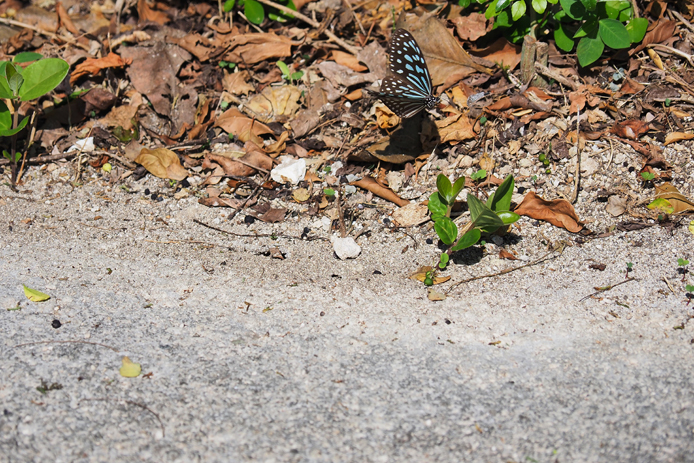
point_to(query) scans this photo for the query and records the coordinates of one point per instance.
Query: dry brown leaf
(146, 13)
(472, 26)
(275, 103)
(558, 212)
(631, 129)
(373, 186)
(241, 126)
(237, 83)
(385, 118)
(421, 274)
(92, 66)
(162, 163)
(677, 136)
(663, 30)
(455, 128)
(195, 44)
(504, 254)
(349, 60)
(502, 52)
(256, 47)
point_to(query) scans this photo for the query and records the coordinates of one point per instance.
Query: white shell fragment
(346, 248)
(289, 171)
(85, 145)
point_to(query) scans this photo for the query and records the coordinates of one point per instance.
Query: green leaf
(42, 77)
(284, 68)
(27, 57)
(457, 188)
(446, 229)
(436, 207)
(589, 50)
(508, 217)
(254, 11)
(443, 260)
(637, 29)
(539, 6)
(614, 34)
(468, 239)
(689, 288)
(229, 5)
(682, 262)
(562, 39)
(9, 132)
(573, 8)
(14, 78)
(518, 10)
(328, 192)
(445, 188)
(34, 295)
(5, 117)
(588, 29)
(500, 200)
(483, 217)
(616, 9)
(490, 12)
(589, 4)
(281, 16)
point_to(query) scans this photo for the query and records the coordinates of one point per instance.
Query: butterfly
(408, 89)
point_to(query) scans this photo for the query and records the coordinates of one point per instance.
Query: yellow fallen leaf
(691, 227)
(130, 369)
(661, 204)
(300, 195)
(434, 295)
(35, 296)
(162, 162)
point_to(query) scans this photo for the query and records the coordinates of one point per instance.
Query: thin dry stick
(312, 23)
(673, 51)
(257, 235)
(67, 342)
(243, 206)
(578, 157)
(52, 35)
(682, 19)
(607, 288)
(547, 72)
(559, 249)
(142, 406)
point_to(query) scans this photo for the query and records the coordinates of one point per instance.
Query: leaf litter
(202, 101)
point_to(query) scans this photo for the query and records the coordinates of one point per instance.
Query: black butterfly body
(408, 89)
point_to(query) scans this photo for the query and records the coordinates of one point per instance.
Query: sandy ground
(250, 358)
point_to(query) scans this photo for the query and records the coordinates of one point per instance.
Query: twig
(142, 406)
(243, 206)
(41, 160)
(607, 288)
(52, 35)
(577, 184)
(258, 235)
(547, 72)
(312, 23)
(340, 212)
(559, 248)
(682, 19)
(67, 342)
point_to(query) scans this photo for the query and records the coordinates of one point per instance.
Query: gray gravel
(313, 359)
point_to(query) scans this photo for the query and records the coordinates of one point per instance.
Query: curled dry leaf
(241, 126)
(385, 118)
(373, 186)
(679, 202)
(92, 66)
(558, 212)
(473, 26)
(631, 129)
(349, 60)
(421, 274)
(677, 136)
(162, 163)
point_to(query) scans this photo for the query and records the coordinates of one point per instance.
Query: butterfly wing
(408, 89)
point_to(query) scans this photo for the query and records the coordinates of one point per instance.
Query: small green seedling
(648, 176)
(682, 267)
(543, 159)
(255, 11)
(484, 217)
(328, 192)
(226, 64)
(479, 175)
(287, 74)
(630, 267)
(19, 84)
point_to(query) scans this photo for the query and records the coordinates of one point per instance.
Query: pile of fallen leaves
(198, 96)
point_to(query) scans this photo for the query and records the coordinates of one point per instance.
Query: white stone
(346, 248)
